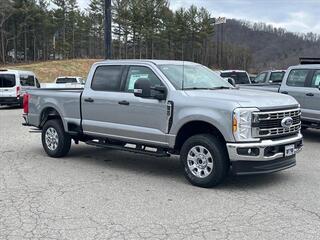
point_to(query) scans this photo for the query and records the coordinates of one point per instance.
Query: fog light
(248, 151)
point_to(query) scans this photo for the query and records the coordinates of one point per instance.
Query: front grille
(268, 124)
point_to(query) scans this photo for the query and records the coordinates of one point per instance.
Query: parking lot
(105, 194)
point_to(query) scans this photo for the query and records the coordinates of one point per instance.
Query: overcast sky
(293, 15)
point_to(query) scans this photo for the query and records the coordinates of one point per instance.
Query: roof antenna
(182, 68)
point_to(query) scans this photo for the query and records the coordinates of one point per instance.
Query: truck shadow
(168, 168)
(312, 135)
(9, 107)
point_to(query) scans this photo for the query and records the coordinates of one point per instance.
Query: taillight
(18, 91)
(26, 103)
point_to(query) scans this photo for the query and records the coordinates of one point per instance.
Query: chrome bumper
(234, 155)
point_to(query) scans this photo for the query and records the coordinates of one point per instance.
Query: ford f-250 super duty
(162, 107)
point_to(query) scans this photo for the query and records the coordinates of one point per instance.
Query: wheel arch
(195, 127)
(49, 113)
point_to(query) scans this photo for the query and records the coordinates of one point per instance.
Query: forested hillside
(40, 30)
(271, 47)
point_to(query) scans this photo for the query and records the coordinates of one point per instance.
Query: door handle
(310, 94)
(124, 102)
(88, 100)
(284, 92)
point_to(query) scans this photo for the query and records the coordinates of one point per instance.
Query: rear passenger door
(296, 85)
(312, 99)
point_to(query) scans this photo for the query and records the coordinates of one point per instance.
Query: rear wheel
(55, 141)
(204, 160)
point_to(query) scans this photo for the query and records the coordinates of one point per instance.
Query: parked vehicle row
(162, 107)
(14, 84)
(303, 83)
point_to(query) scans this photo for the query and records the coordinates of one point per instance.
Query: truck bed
(67, 101)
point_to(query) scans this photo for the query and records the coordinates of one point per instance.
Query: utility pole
(107, 29)
(219, 53)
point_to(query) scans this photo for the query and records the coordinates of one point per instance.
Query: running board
(129, 148)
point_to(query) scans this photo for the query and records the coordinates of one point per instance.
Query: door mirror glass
(232, 81)
(142, 88)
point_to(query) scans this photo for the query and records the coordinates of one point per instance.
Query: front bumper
(263, 157)
(10, 100)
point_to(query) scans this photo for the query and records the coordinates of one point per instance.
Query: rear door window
(7, 80)
(107, 78)
(27, 80)
(298, 77)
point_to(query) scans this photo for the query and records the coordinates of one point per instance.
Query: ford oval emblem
(287, 122)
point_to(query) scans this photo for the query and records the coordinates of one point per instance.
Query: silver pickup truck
(162, 107)
(303, 83)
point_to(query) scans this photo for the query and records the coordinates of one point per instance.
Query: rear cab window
(7, 80)
(66, 80)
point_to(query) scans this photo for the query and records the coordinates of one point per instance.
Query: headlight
(241, 124)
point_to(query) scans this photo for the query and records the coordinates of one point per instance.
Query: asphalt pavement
(107, 194)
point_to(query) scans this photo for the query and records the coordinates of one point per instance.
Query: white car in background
(65, 82)
(13, 85)
(239, 76)
(69, 79)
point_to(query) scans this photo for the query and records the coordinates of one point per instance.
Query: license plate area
(289, 150)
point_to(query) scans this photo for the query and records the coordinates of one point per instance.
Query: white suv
(13, 85)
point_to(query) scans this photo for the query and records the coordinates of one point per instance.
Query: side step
(135, 148)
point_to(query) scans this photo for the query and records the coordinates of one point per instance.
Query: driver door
(146, 117)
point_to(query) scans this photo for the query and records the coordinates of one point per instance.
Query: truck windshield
(193, 77)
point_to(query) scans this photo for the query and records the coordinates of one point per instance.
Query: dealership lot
(105, 194)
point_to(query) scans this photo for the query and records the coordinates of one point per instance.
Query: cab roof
(153, 61)
(15, 71)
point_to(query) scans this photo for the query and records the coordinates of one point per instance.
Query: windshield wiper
(221, 87)
(203, 88)
(197, 88)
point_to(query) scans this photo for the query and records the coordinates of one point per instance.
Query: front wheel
(55, 141)
(205, 160)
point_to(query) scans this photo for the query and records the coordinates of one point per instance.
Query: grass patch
(48, 71)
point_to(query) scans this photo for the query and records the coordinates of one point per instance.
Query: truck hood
(246, 98)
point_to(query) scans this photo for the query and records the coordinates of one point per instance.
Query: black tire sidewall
(220, 160)
(64, 142)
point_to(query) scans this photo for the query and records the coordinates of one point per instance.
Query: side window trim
(105, 65)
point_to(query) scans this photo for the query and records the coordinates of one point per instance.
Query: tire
(55, 141)
(205, 160)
